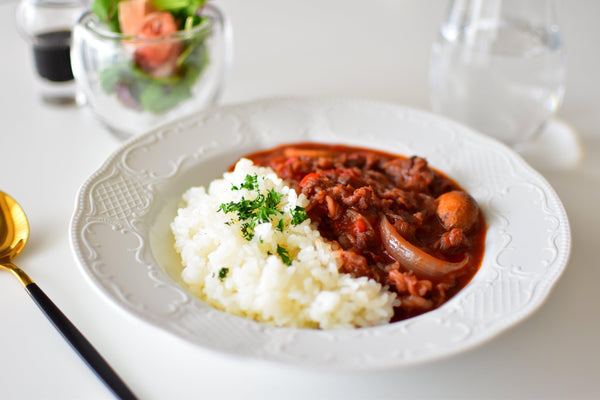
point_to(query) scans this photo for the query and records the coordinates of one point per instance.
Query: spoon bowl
(14, 234)
(13, 237)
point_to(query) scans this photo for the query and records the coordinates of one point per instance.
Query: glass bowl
(134, 84)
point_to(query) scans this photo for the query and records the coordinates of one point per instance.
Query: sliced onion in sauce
(411, 257)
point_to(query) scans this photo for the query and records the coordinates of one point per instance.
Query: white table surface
(376, 49)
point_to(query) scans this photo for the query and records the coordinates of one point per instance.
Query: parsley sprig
(284, 255)
(250, 183)
(298, 215)
(223, 273)
(253, 211)
(264, 207)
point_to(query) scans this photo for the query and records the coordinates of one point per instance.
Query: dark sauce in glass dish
(51, 52)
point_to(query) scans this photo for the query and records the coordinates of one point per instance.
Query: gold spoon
(14, 233)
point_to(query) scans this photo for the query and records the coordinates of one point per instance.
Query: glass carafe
(499, 66)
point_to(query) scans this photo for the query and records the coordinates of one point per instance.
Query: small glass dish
(130, 92)
(46, 26)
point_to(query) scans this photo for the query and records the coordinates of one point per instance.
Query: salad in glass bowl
(143, 63)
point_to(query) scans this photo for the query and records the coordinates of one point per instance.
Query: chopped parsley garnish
(284, 255)
(250, 183)
(251, 212)
(223, 273)
(298, 215)
(269, 206)
(263, 208)
(273, 198)
(280, 225)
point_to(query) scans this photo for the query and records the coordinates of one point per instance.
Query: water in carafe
(504, 77)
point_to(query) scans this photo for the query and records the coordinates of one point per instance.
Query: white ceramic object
(121, 238)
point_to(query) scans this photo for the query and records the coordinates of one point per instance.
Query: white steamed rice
(309, 293)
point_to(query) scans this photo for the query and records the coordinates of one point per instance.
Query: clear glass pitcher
(499, 66)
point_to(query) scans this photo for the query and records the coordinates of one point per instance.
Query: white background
(376, 49)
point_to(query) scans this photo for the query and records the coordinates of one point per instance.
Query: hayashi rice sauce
(397, 220)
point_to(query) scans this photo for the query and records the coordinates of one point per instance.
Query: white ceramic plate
(121, 237)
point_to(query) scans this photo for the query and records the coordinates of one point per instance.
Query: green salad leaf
(108, 12)
(137, 89)
(189, 7)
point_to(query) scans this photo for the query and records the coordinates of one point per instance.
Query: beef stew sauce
(394, 218)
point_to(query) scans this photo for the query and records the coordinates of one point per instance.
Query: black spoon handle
(80, 344)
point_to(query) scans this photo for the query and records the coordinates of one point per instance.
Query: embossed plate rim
(148, 164)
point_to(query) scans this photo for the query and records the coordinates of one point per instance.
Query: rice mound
(248, 278)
